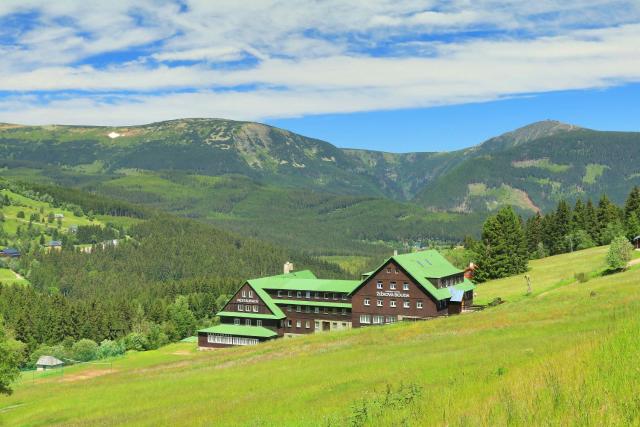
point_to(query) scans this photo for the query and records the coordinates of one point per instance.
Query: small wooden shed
(636, 242)
(45, 363)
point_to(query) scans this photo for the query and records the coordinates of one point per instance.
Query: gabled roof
(9, 251)
(55, 243)
(239, 330)
(49, 361)
(425, 265)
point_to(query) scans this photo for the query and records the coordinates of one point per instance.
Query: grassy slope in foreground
(565, 355)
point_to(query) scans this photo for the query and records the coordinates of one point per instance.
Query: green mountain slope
(302, 192)
(565, 355)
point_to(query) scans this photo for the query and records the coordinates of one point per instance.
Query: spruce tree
(609, 224)
(632, 205)
(591, 220)
(561, 228)
(504, 247)
(534, 234)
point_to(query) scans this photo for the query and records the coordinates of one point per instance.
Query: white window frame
(419, 304)
(406, 304)
(344, 311)
(379, 284)
(405, 286)
(250, 293)
(365, 319)
(298, 323)
(392, 286)
(298, 309)
(367, 302)
(377, 319)
(379, 303)
(289, 294)
(308, 295)
(392, 303)
(247, 322)
(259, 322)
(298, 294)
(279, 293)
(244, 293)
(236, 321)
(307, 324)
(240, 307)
(316, 310)
(255, 308)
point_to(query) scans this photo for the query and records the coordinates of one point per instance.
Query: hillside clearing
(540, 359)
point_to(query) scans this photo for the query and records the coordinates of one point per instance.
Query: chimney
(395, 252)
(288, 267)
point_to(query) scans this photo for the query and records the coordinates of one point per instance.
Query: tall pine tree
(504, 247)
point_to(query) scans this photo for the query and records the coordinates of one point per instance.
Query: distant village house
(46, 363)
(10, 253)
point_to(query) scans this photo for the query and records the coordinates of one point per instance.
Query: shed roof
(239, 330)
(49, 361)
(55, 243)
(9, 251)
(636, 238)
(456, 295)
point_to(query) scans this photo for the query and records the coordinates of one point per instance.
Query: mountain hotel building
(405, 287)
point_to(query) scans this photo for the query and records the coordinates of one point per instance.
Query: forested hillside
(300, 192)
(159, 265)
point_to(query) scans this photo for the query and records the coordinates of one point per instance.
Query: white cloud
(306, 57)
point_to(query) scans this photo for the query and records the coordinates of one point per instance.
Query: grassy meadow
(564, 355)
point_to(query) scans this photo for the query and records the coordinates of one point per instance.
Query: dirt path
(633, 262)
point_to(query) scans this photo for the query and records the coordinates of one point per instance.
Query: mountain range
(265, 181)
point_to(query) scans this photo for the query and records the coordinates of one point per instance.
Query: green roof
(313, 285)
(425, 265)
(189, 339)
(248, 315)
(313, 302)
(239, 330)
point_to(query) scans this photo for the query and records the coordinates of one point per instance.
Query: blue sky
(401, 75)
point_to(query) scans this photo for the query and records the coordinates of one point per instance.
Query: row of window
(392, 285)
(248, 308)
(247, 293)
(315, 295)
(393, 303)
(307, 324)
(230, 339)
(450, 281)
(368, 319)
(389, 270)
(316, 310)
(247, 322)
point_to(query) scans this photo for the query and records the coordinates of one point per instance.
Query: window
(326, 310)
(279, 294)
(367, 301)
(288, 308)
(316, 309)
(298, 294)
(289, 294)
(255, 308)
(406, 304)
(344, 325)
(405, 286)
(288, 323)
(298, 324)
(250, 293)
(379, 303)
(344, 311)
(308, 295)
(317, 325)
(259, 322)
(377, 320)
(344, 297)
(326, 295)
(247, 308)
(379, 284)
(317, 295)
(307, 324)
(397, 271)
(335, 310)
(298, 308)
(244, 293)
(335, 296)
(240, 307)
(247, 322)
(236, 322)
(365, 318)
(391, 319)
(392, 285)
(389, 270)
(392, 303)
(334, 325)
(230, 340)
(419, 304)
(307, 309)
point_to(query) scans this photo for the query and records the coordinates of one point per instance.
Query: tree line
(508, 242)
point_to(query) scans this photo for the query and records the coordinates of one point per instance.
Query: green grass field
(565, 355)
(8, 277)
